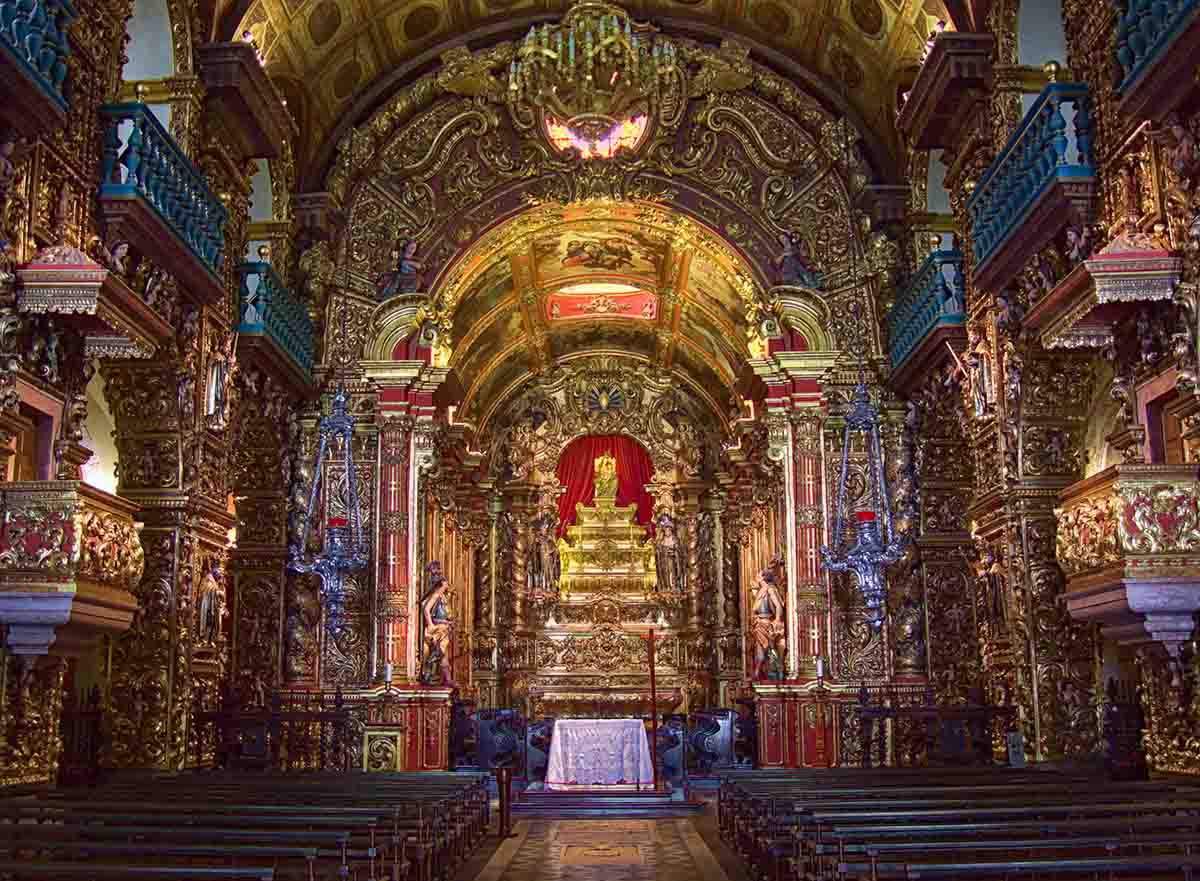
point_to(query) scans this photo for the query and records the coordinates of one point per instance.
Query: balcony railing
(33, 37)
(1156, 45)
(143, 168)
(1042, 180)
(935, 298)
(270, 310)
(1146, 29)
(1128, 542)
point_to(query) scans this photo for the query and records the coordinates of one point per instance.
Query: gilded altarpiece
(734, 147)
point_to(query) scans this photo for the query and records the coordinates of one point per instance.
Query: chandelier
(344, 550)
(876, 544)
(594, 73)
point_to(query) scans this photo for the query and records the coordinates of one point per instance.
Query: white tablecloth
(599, 752)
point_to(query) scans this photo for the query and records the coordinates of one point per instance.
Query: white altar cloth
(599, 752)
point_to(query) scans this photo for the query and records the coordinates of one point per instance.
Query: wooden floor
(608, 850)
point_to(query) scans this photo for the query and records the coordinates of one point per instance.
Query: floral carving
(1087, 535)
(1160, 519)
(40, 537)
(110, 549)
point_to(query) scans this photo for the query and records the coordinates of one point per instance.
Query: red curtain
(576, 471)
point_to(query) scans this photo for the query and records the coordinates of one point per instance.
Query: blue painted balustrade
(1053, 144)
(1146, 29)
(35, 33)
(935, 297)
(142, 160)
(269, 309)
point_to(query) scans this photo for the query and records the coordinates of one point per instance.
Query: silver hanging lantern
(344, 550)
(876, 544)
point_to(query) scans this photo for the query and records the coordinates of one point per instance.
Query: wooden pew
(883, 860)
(777, 821)
(24, 870)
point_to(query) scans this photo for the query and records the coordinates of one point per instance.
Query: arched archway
(509, 296)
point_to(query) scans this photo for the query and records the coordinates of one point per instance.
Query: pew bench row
(305, 827)
(989, 824)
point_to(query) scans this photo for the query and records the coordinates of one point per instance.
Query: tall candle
(387, 672)
(820, 668)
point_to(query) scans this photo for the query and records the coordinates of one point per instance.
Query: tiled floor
(604, 850)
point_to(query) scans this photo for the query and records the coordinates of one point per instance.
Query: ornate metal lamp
(344, 551)
(876, 543)
(593, 72)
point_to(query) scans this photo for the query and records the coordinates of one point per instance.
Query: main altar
(607, 601)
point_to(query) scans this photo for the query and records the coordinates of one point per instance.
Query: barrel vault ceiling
(327, 54)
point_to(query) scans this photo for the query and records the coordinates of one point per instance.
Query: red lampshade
(864, 516)
(337, 521)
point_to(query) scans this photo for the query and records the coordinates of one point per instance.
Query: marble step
(602, 803)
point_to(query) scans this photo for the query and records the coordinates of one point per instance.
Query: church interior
(499, 440)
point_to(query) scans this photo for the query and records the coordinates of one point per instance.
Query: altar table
(599, 752)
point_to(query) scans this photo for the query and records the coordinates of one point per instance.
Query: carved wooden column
(943, 468)
(257, 564)
(812, 600)
(395, 566)
(172, 419)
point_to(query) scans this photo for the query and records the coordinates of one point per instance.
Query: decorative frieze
(93, 300)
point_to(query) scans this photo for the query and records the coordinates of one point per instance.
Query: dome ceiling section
(339, 49)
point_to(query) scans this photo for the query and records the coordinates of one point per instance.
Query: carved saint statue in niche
(669, 565)
(794, 263)
(605, 476)
(209, 606)
(989, 569)
(543, 561)
(439, 627)
(769, 628)
(979, 366)
(406, 275)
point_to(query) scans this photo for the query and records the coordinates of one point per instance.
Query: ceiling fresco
(328, 54)
(644, 282)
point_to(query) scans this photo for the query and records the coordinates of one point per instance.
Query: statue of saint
(794, 264)
(606, 476)
(769, 628)
(979, 366)
(668, 557)
(209, 607)
(439, 626)
(543, 562)
(406, 277)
